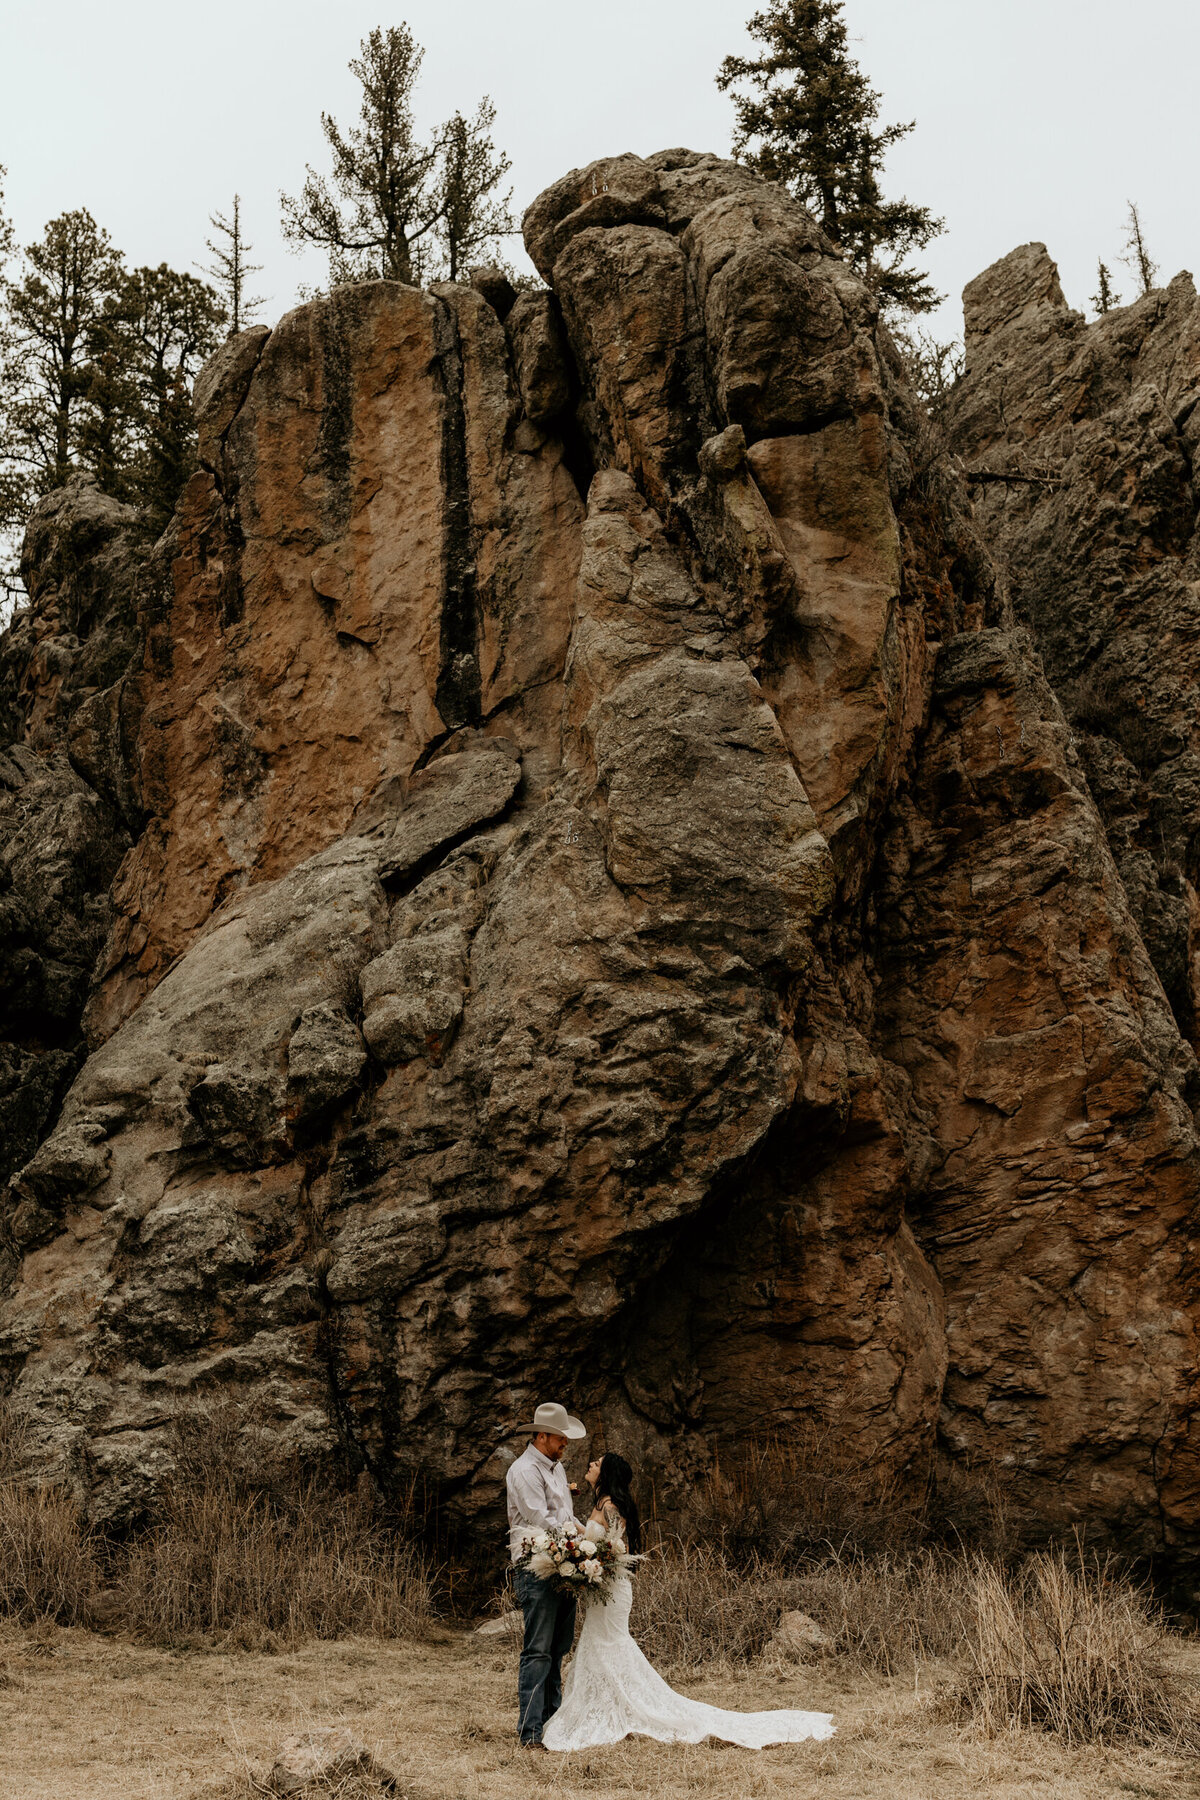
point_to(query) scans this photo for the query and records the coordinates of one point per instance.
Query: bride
(611, 1690)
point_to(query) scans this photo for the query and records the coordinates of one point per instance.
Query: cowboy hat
(556, 1419)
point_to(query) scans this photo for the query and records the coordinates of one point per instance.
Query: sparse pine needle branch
(1106, 296)
(231, 268)
(473, 216)
(1137, 257)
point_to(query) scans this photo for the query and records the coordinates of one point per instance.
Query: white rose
(542, 1541)
(588, 1548)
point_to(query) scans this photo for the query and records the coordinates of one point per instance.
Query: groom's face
(550, 1444)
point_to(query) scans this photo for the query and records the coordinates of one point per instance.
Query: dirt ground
(84, 1717)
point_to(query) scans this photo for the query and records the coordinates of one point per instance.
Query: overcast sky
(1036, 119)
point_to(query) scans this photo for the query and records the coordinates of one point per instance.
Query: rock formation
(1081, 441)
(609, 904)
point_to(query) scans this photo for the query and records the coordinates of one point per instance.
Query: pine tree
(809, 122)
(392, 196)
(156, 331)
(472, 215)
(379, 204)
(97, 371)
(1106, 296)
(230, 269)
(72, 273)
(1137, 257)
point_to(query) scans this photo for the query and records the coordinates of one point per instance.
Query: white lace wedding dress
(611, 1691)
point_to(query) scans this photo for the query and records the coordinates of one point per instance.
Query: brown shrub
(49, 1567)
(246, 1552)
(1073, 1647)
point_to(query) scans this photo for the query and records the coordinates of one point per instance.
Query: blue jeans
(549, 1630)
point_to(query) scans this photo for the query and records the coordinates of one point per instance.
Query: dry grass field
(955, 1662)
(84, 1717)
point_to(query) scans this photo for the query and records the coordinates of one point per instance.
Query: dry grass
(1075, 1650)
(1058, 1644)
(799, 1523)
(889, 1613)
(1064, 1643)
(245, 1570)
(246, 1553)
(48, 1563)
(47, 1560)
(248, 1556)
(90, 1718)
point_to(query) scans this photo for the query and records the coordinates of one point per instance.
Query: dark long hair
(615, 1477)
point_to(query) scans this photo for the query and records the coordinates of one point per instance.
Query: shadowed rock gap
(458, 688)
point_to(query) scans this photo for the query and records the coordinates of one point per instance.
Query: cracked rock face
(612, 909)
(1083, 440)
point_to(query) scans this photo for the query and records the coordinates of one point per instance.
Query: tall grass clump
(802, 1523)
(251, 1551)
(258, 1573)
(692, 1606)
(246, 1549)
(888, 1613)
(1070, 1646)
(49, 1567)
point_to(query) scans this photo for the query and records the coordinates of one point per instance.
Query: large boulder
(616, 911)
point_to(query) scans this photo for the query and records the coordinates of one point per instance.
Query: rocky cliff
(608, 903)
(1081, 440)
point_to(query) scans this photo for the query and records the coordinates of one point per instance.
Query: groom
(539, 1496)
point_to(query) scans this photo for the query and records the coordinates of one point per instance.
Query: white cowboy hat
(551, 1417)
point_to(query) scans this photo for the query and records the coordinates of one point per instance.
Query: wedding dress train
(611, 1690)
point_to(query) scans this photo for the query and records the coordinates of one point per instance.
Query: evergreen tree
(230, 269)
(379, 204)
(52, 312)
(96, 371)
(472, 215)
(1106, 296)
(156, 330)
(391, 195)
(1137, 257)
(809, 121)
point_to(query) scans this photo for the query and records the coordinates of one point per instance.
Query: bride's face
(593, 1474)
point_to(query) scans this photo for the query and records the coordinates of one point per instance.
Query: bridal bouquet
(583, 1563)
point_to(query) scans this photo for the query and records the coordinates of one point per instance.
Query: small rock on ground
(315, 1760)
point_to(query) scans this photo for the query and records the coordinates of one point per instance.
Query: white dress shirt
(539, 1496)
